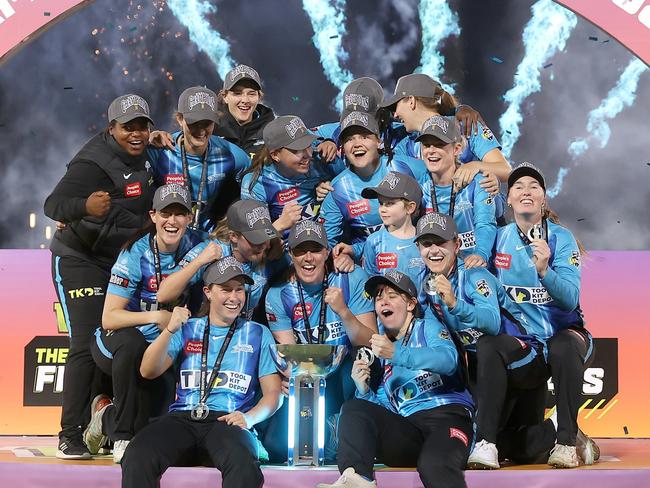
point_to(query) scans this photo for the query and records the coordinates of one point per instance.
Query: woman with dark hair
(133, 318)
(102, 199)
(228, 383)
(420, 414)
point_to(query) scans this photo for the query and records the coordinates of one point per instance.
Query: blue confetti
(593, 38)
(548, 65)
(496, 60)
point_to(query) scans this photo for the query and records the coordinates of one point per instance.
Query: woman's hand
(490, 183)
(327, 150)
(361, 375)
(464, 174)
(211, 253)
(98, 204)
(323, 188)
(541, 256)
(343, 263)
(445, 290)
(474, 261)
(161, 139)
(334, 298)
(382, 346)
(236, 418)
(179, 316)
(291, 213)
(468, 119)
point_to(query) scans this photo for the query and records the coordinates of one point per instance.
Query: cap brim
(247, 279)
(376, 192)
(373, 282)
(169, 204)
(193, 117)
(525, 171)
(239, 80)
(316, 240)
(392, 100)
(129, 117)
(444, 238)
(302, 142)
(372, 130)
(444, 139)
(260, 236)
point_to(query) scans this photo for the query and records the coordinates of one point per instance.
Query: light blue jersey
(422, 374)
(248, 358)
(284, 308)
(134, 276)
(383, 252)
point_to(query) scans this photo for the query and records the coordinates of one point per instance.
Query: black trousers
(437, 441)
(569, 352)
(499, 388)
(119, 354)
(81, 287)
(176, 440)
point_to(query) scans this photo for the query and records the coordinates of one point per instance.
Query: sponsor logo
(444, 334)
(152, 283)
(297, 310)
(119, 281)
(534, 295)
(483, 288)
(45, 359)
(230, 380)
(177, 178)
(469, 336)
(455, 433)
(467, 240)
(399, 248)
(287, 195)
(502, 260)
(574, 259)
(519, 248)
(358, 207)
(133, 190)
(243, 348)
(126, 177)
(95, 291)
(386, 260)
(193, 347)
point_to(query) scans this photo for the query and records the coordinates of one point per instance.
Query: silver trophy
(430, 284)
(307, 366)
(537, 231)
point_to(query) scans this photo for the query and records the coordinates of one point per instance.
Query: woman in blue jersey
(193, 157)
(316, 305)
(227, 384)
(285, 176)
(417, 98)
(420, 414)
(246, 233)
(348, 217)
(538, 262)
(133, 318)
(392, 246)
(472, 208)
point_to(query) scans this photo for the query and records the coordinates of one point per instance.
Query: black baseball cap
(223, 270)
(526, 169)
(171, 193)
(241, 72)
(287, 131)
(363, 94)
(358, 119)
(443, 128)
(395, 185)
(393, 278)
(198, 103)
(252, 219)
(125, 108)
(307, 231)
(436, 224)
(415, 85)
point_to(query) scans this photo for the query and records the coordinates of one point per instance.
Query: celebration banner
(616, 388)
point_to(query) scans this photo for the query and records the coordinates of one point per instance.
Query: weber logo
(119, 281)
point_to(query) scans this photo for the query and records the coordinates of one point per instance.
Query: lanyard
(205, 389)
(188, 181)
(323, 309)
(153, 245)
(408, 333)
(434, 198)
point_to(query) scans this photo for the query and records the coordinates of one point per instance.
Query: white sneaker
(349, 479)
(587, 450)
(563, 457)
(484, 456)
(118, 451)
(93, 436)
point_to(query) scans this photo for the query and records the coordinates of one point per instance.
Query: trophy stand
(308, 366)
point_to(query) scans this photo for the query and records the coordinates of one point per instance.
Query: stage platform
(29, 462)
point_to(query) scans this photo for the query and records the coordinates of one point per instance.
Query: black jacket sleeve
(67, 202)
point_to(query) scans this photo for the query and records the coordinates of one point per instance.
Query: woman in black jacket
(102, 199)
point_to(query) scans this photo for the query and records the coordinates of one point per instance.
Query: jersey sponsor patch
(469, 336)
(359, 207)
(119, 281)
(271, 317)
(193, 347)
(297, 310)
(133, 190)
(232, 380)
(487, 134)
(483, 288)
(502, 260)
(174, 178)
(467, 240)
(243, 348)
(455, 433)
(386, 260)
(444, 334)
(574, 259)
(523, 294)
(285, 196)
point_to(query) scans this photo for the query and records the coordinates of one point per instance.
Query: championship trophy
(307, 366)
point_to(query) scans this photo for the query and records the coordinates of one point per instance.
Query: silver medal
(537, 232)
(200, 412)
(365, 354)
(430, 284)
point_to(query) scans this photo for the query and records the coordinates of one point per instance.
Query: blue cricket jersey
(382, 252)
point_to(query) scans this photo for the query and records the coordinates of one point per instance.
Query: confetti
(548, 65)
(295, 99)
(47, 14)
(496, 60)
(67, 88)
(648, 164)
(580, 220)
(508, 132)
(625, 429)
(593, 38)
(133, 29)
(606, 40)
(618, 221)
(334, 37)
